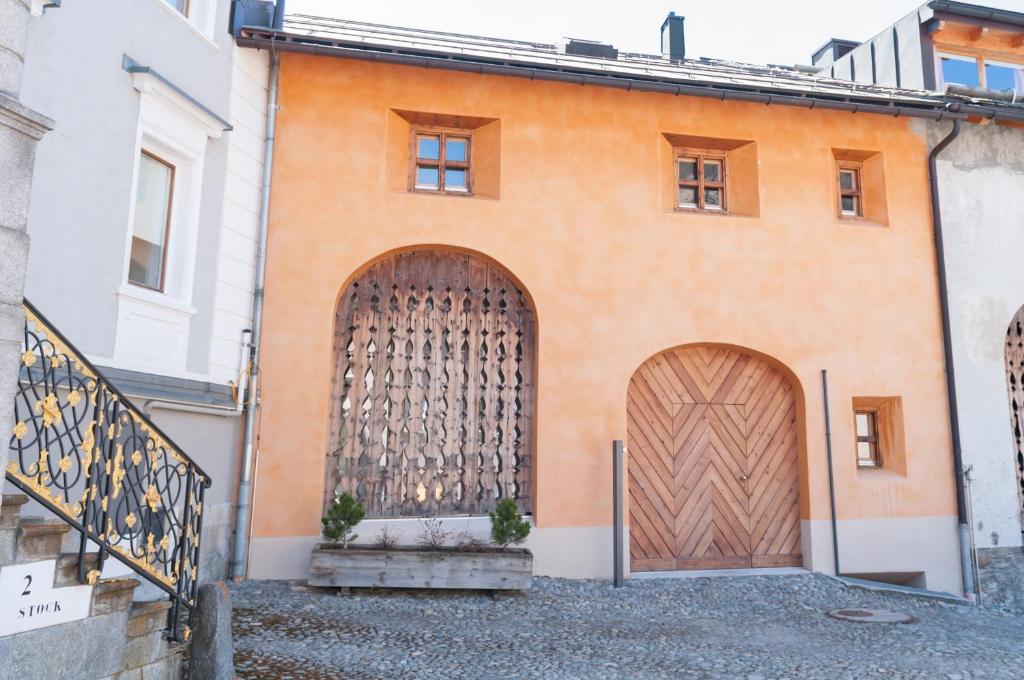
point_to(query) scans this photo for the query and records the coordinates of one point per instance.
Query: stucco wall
(614, 276)
(981, 180)
(79, 214)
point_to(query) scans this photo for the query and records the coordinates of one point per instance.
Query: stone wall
(1001, 578)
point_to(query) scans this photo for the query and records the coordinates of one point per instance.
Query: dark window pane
(456, 149)
(961, 71)
(428, 148)
(850, 205)
(712, 171)
(1004, 77)
(688, 197)
(454, 179)
(426, 177)
(712, 199)
(688, 169)
(149, 228)
(848, 179)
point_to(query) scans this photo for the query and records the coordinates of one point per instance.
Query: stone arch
(432, 398)
(714, 457)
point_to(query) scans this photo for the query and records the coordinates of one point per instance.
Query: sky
(754, 31)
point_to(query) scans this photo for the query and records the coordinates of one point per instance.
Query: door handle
(743, 478)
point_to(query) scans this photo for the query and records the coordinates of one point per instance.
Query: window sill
(711, 213)
(155, 298)
(860, 222)
(202, 35)
(881, 473)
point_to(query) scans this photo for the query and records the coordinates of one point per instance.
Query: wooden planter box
(416, 567)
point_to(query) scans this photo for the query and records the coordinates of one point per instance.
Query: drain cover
(871, 616)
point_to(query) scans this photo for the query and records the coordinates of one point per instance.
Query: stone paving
(723, 627)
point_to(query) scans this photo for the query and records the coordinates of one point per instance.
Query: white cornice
(147, 83)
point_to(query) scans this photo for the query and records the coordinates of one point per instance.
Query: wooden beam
(978, 33)
(1017, 41)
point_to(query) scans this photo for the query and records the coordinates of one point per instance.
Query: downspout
(240, 555)
(966, 561)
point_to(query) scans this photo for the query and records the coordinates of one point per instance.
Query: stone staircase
(111, 636)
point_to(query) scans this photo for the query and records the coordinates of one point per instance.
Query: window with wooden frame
(851, 198)
(154, 192)
(869, 453)
(440, 161)
(701, 179)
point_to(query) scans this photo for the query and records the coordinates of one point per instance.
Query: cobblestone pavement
(724, 627)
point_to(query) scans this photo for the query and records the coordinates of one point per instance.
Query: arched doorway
(432, 399)
(1015, 388)
(713, 462)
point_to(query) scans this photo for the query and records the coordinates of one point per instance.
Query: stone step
(39, 539)
(112, 594)
(10, 509)
(67, 568)
(147, 617)
(143, 650)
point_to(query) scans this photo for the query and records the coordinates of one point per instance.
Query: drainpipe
(240, 555)
(966, 561)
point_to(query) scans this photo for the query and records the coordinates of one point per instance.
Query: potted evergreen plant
(438, 559)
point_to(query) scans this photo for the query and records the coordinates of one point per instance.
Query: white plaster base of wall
(929, 545)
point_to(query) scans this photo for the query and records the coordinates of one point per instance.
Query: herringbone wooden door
(712, 463)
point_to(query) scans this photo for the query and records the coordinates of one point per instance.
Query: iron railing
(85, 452)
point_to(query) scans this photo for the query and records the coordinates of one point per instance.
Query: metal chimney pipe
(673, 37)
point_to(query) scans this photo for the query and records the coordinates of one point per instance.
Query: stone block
(145, 649)
(8, 541)
(14, 17)
(113, 595)
(16, 165)
(90, 648)
(67, 568)
(212, 652)
(10, 509)
(147, 617)
(39, 539)
(14, 246)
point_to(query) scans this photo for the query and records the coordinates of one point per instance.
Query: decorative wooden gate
(432, 406)
(713, 479)
(1015, 387)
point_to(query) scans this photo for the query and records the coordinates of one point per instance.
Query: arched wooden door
(432, 405)
(1015, 388)
(713, 465)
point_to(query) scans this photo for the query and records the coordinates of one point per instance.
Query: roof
(964, 9)
(721, 79)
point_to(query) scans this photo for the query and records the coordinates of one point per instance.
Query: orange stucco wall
(615, 277)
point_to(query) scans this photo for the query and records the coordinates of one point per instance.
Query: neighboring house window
(868, 449)
(153, 198)
(441, 161)
(850, 198)
(180, 5)
(701, 180)
(979, 72)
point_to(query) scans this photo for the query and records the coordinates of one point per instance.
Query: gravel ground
(722, 627)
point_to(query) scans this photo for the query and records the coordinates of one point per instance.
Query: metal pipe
(947, 354)
(831, 476)
(240, 555)
(187, 407)
(617, 531)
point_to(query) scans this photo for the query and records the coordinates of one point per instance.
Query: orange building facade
(698, 336)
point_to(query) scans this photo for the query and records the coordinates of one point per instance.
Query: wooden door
(712, 463)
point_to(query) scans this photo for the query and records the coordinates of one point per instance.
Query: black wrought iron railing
(82, 450)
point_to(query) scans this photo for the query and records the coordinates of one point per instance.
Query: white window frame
(941, 76)
(153, 326)
(201, 18)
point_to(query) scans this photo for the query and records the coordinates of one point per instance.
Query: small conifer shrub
(507, 524)
(343, 515)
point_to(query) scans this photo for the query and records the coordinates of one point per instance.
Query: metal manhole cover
(871, 616)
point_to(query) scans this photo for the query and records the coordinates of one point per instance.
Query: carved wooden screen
(1015, 386)
(432, 404)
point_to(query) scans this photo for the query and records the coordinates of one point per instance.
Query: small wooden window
(440, 161)
(701, 179)
(154, 197)
(851, 199)
(869, 453)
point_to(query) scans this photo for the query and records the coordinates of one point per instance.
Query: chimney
(673, 40)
